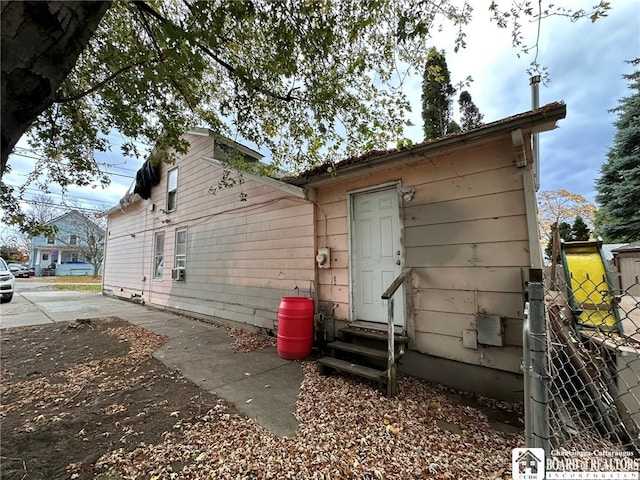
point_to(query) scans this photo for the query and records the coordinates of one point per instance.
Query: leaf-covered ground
(88, 401)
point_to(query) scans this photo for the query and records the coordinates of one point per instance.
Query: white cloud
(585, 62)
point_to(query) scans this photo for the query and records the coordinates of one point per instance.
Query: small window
(181, 248)
(45, 256)
(92, 241)
(172, 189)
(159, 255)
(51, 239)
(74, 257)
(73, 239)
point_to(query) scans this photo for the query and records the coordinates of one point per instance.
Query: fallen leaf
(394, 428)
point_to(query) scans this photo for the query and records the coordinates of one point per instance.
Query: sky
(585, 62)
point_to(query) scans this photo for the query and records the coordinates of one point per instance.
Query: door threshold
(381, 327)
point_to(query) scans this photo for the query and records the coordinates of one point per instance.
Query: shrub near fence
(582, 367)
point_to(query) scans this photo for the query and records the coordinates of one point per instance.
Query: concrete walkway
(260, 384)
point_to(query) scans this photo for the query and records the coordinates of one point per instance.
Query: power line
(117, 167)
(105, 172)
(34, 191)
(65, 207)
(73, 198)
(61, 197)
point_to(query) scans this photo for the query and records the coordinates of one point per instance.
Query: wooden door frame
(394, 185)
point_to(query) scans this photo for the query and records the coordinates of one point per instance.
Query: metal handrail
(391, 360)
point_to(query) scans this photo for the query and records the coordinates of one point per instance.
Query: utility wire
(33, 191)
(65, 207)
(106, 172)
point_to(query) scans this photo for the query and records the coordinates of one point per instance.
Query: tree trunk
(41, 42)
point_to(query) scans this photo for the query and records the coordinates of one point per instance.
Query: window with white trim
(172, 189)
(158, 249)
(181, 248)
(73, 239)
(51, 239)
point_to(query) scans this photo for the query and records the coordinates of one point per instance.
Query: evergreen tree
(437, 95)
(564, 229)
(619, 184)
(579, 230)
(453, 127)
(470, 114)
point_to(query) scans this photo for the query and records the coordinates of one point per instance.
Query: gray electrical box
(490, 329)
(470, 339)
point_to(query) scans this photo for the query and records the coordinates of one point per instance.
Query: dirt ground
(88, 401)
(72, 392)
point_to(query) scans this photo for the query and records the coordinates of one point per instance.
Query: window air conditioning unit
(177, 274)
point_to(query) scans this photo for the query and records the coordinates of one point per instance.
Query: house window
(92, 241)
(181, 248)
(73, 239)
(45, 256)
(172, 189)
(74, 257)
(51, 239)
(159, 255)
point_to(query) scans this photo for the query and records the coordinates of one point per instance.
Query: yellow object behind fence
(589, 286)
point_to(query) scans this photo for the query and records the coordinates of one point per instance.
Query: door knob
(397, 262)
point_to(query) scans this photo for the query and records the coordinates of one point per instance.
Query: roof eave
(127, 200)
(205, 132)
(296, 191)
(536, 121)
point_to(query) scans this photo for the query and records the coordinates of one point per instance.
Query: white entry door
(376, 256)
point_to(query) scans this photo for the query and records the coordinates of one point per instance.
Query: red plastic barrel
(295, 327)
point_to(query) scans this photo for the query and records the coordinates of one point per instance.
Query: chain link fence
(582, 364)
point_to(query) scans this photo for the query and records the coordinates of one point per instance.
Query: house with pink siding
(236, 250)
(454, 218)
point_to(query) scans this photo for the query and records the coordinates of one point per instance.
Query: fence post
(537, 370)
(526, 377)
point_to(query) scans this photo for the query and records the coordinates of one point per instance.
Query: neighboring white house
(76, 247)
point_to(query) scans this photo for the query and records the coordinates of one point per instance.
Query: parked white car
(7, 282)
(18, 270)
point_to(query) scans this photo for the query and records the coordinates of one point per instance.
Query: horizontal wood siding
(242, 255)
(129, 253)
(450, 347)
(465, 236)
